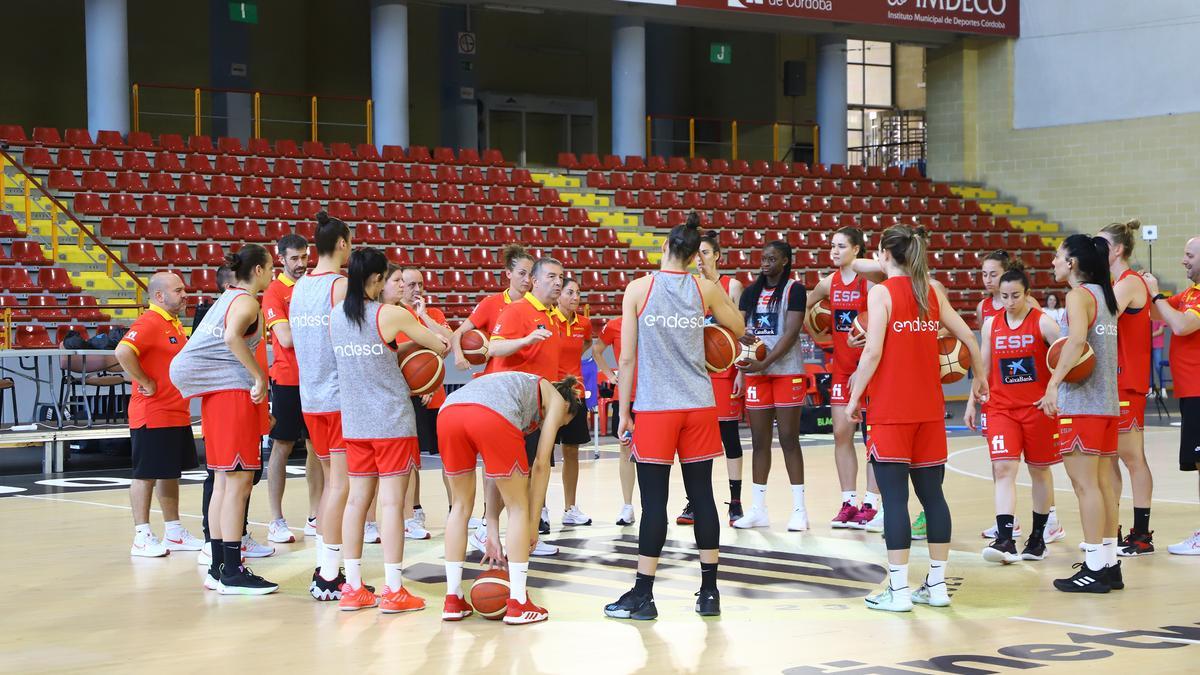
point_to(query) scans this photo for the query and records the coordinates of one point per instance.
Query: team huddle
(339, 337)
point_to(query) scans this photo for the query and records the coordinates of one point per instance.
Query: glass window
(877, 86)
(878, 53)
(854, 84)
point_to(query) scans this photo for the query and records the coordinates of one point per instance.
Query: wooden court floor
(792, 602)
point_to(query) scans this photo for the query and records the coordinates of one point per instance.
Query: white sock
(329, 565)
(517, 574)
(454, 572)
(1093, 557)
(140, 530)
(392, 576)
(320, 549)
(173, 527)
(1109, 545)
(797, 497)
(937, 572)
(871, 499)
(898, 576)
(354, 573)
(849, 496)
(629, 506)
(760, 496)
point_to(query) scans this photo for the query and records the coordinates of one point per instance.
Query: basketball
(489, 594)
(819, 320)
(474, 347)
(754, 352)
(423, 370)
(720, 348)
(858, 329)
(954, 359)
(1082, 368)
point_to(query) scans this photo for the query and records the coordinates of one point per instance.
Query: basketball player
(378, 424)
(663, 336)
(1088, 411)
(847, 291)
(906, 439)
(285, 392)
(776, 386)
(160, 425)
(728, 386)
(1015, 343)
(610, 335)
(491, 416)
(1133, 380)
(313, 298)
(218, 364)
(576, 337)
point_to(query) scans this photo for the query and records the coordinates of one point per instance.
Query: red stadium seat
(481, 258)
(85, 308)
(210, 254)
(248, 230)
(115, 227)
(57, 279)
(225, 185)
(141, 253)
(194, 185)
(229, 165)
(13, 134)
(220, 207)
(175, 253)
(286, 147)
(216, 229)
(28, 252)
(340, 189)
(63, 179)
(149, 227)
(33, 337)
(367, 151)
(198, 163)
(315, 149)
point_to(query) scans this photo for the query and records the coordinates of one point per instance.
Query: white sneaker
(934, 596)
(1053, 531)
(413, 529)
(755, 517)
(888, 600)
(875, 524)
(253, 549)
(990, 533)
(544, 549)
(371, 533)
(279, 533)
(419, 516)
(310, 527)
(573, 516)
(627, 517)
(476, 522)
(183, 541)
(478, 539)
(205, 556)
(798, 522)
(148, 546)
(1189, 546)
(211, 582)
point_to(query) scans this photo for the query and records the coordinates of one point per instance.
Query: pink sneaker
(865, 515)
(843, 518)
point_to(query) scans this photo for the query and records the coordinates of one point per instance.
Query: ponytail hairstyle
(785, 250)
(242, 263)
(684, 240)
(568, 388)
(330, 231)
(1016, 272)
(1122, 233)
(1091, 263)
(364, 264)
(512, 254)
(907, 246)
(856, 238)
(1001, 257)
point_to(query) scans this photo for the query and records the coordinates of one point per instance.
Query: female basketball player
(626, 471)
(847, 294)
(1015, 343)
(1088, 411)
(906, 439)
(776, 386)
(728, 386)
(218, 365)
(576, 338)
(1133, 379)
(663, 338)
(489, 417)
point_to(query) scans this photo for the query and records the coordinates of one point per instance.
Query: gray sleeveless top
(308, 315)
(376, 402)
(1097, 395)
(670, 347)
(514, 395)
(206, 364)
(791, 363)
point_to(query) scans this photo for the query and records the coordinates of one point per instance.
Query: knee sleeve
(927, 483)
(730, 439)
(892, 478)
(652, 533)
(697, 480)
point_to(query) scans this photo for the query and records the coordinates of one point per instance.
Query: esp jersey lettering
(206, 364)
(907, 385)
(378, 405)
(1018, 368)
(1097, 395)
(309, 312)
(670, 372)
(846, 300)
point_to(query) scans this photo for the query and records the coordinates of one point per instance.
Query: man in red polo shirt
(285, 394)
(160, 424)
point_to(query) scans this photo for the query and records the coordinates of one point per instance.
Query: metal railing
(730, 138)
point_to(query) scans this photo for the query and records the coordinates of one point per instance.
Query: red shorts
(467, 431)
(1089, 434)
(775, 391)
(232, 426)
(917, 444)
(325, 432)
(1023, 430)
(729, 407)
(983, 420)
(1133, 412)
(659, 435)
(382, 457)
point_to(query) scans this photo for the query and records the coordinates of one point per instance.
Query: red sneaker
(354, 599)
(518, 613)
(456, 608)
(400, 600)
(843, 518)
(865, 515)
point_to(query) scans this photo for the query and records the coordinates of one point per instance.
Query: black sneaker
(244, 582)
(735, 511)
(1001, 551)
(632, 606)
(1084, 581)
(1034, 549)
(1137, 543)
(708, 602)
(1114, 578)
(326, 590)
(543, 526)
(687, 517)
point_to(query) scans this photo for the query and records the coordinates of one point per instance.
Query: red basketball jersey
(730, 372)
(989, 310)
(1133, 344)
(845, 302)
(907, 385)
(1018, 371)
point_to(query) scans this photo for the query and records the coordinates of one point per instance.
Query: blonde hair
(1122, 233)
(907, 246)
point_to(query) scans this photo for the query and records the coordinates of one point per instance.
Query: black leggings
(893, 480)
(653, 480)
(207, 497)
(731, 439)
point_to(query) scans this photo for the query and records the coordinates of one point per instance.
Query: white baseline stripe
(1106, 630)
(51, 498)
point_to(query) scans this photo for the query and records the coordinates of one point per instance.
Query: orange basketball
(858, 329)
(1082, 368)
(489, 594)
(819, 321)
(754, 352)
(474, 346)
(720, 348)
(954, 359)
(423, 370)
